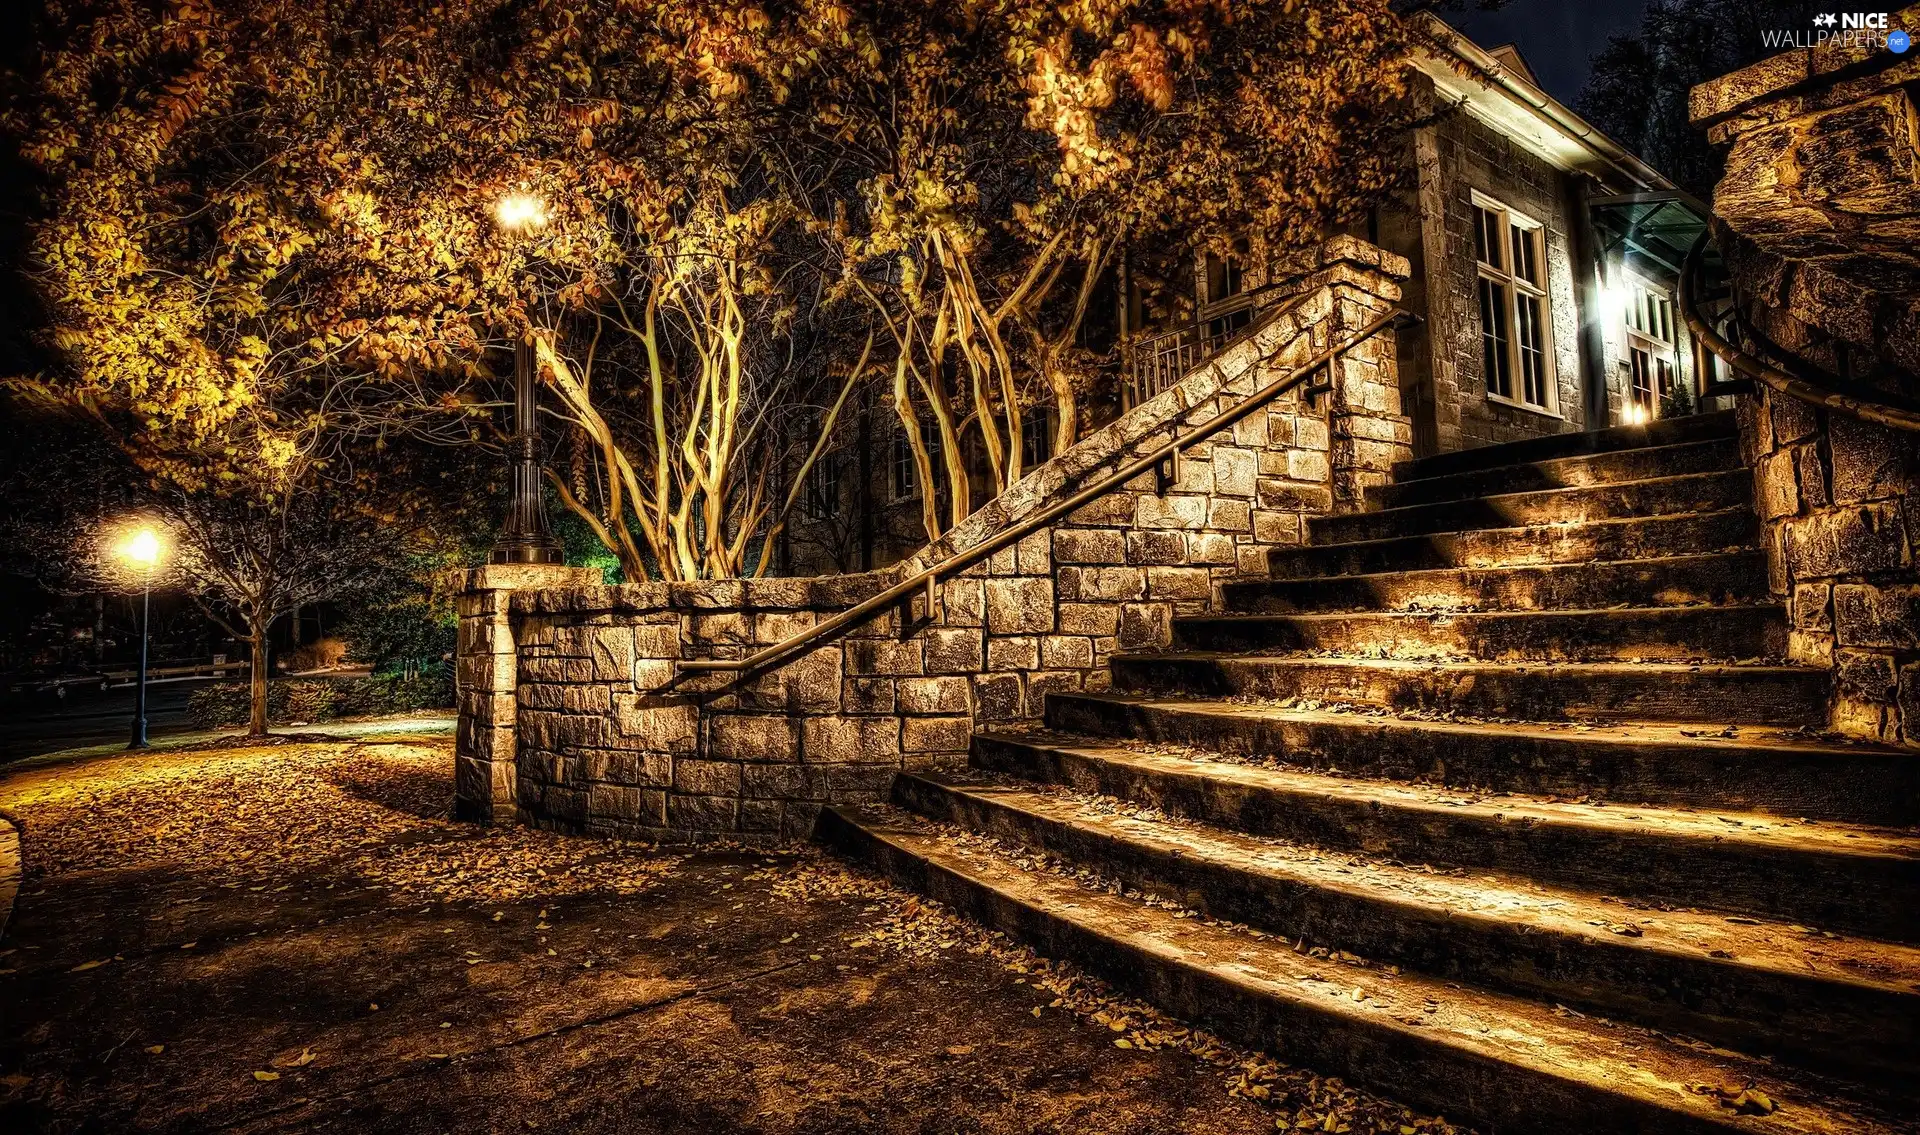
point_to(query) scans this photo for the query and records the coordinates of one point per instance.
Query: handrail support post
(1321, 382)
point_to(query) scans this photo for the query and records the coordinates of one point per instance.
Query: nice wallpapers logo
(1845, 29)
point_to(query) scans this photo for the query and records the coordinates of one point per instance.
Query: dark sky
(1555, 36)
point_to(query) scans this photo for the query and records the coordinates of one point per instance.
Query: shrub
(316, 655)
(321, 699)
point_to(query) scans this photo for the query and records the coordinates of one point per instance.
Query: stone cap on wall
(1818, 212)
(1801, 79)
(789, 593)
(525, 577)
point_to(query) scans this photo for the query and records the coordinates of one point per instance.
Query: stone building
(1544, 262)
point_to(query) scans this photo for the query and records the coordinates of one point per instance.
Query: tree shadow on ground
(413, 791)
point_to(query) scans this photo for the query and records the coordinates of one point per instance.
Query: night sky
(1556, 36)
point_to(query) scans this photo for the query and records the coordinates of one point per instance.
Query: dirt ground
(296, 938)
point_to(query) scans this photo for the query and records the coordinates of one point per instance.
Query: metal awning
(1649, 231)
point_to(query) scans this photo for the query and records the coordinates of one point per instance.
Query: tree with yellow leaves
(988, 162)
(270, 235)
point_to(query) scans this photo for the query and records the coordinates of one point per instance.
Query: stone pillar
(485, 684)
(1817, 216)
(1369, 433)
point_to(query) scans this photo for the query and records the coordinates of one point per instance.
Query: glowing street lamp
(525, 538)
(143, 550)
(518, 212)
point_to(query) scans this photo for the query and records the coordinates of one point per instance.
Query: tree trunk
(257, 677)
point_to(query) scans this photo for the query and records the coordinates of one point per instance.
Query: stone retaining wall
(574, 716)
(1841, 519)
(1818, 216)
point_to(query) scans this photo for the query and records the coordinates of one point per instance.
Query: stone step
(1611, 467)
(1840, 877)
(1694, 492)
(1756, 770)
(1631, 538)
(1589, 691)
(1756, 987)
(1654, 634)
(1673, 581)
(1669, 431)
(1503, 1062)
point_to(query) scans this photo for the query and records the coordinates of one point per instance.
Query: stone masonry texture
(574, 716)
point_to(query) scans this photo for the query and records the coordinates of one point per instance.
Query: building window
(821, 497)
(1650, 343)
(1225, 301)
(1036, 436)
(1516, 341)
(904, 478)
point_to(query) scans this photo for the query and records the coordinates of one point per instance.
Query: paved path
(296, 939)
(41, 722)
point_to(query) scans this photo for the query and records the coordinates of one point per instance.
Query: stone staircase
(1496, 798)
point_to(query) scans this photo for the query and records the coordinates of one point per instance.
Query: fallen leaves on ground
(1740, 1099)
(374, 815)
(367, 814)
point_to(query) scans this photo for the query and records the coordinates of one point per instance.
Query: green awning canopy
(1649, 232)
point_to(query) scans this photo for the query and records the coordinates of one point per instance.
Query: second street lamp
(525, 538)
(142, 550)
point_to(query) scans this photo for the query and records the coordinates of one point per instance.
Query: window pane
(1526, 262)
(903, 467)
(823, 487)
(1223, 278)
(1531, 343)
(1493, 338)
(1486, 237)
(1642, 377)
(1036, 436)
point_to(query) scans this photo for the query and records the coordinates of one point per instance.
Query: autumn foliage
(269, 233)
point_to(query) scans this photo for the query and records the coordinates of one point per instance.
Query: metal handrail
(927, 577)
(1867, 407)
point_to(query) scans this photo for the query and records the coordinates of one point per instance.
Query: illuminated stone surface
(1537, 757)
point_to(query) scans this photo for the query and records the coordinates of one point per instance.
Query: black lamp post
(143, 548)
(525, 538)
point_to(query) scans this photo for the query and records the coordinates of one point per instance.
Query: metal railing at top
(1852, 399)
(155, 674)
(1154, 363)
(928, 579)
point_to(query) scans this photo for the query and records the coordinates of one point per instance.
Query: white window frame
(1648, 320)
(1513, 286)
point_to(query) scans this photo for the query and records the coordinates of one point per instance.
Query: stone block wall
(573, 710)
(1818, 211)
(1818, 216)
(1840, 504)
